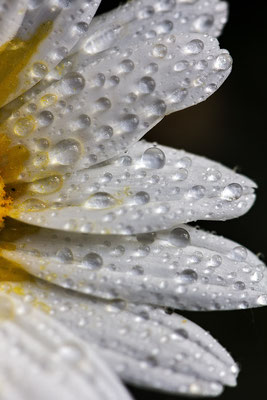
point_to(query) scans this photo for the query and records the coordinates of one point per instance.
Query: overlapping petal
(144, 345)
(148, 189)
(184, 268)
(41, 359)
(149, 18)
(11, 16)
(95, 107)
(47, 32)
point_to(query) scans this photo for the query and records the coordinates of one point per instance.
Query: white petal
(184, 268)
(58, 25)
(148, 189)
(95, 107)
(144, 345)
(41, 359)
(11, 16)
(149, 18)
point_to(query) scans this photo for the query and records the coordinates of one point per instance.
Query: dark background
(230, 127)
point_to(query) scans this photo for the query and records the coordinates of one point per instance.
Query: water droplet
(39, 70)
(92, 261)
(100, 200)
(238, 253)
(196, 192)
(223, 62)
(262, 300)
(45, 118)
(129, 123)
(239, 285)
(46, 185)
(141, 198)
(181, 66)
(193, 47)
(178, 95)
(186, 277)
(203, 23)
(126, 66)
(232, 192)
(25, 126)
(73, 83)
(153, 158)
(179, 237)
(159, 51)
(66, 152)
(147, 85)
(65, 255)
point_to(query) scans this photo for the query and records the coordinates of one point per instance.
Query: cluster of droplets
(85, 97)
(190, 188)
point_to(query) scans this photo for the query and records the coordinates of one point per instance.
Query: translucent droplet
(147, 85)
(238, 253)
(46, 185)
(141, 198)
(100, 200)
(153, 158)
(179, 237)
(223, 62)
(45, 118)
(178, 95)
(262, 300)
(65, 254)
(66, 152)
(129, 123)
(239, 285)
(232, 192)
(39, 70)
(92, 261)
(193, 47)
(197, 192)
(203, 23)
(126, 66)
(186, 277)
(181, 66)
(73, 83)
(25, 126)
(159, 51)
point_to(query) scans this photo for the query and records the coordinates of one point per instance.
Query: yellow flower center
(15, 57)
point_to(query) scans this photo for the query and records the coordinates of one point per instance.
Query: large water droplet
(66, 152)
(100, 200)
(179, 237)
(187, 277)
(232, 192)
(153, 158)
(193, 47)
(73, 83)
(92, 261)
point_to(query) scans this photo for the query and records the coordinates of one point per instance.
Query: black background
(230, 127)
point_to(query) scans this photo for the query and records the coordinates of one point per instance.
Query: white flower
(95, 252)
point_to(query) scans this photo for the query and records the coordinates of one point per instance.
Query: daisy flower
(96, 250)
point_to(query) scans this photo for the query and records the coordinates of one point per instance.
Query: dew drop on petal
(179, 237)
(92, 261)
(231, 192)
(153, 158)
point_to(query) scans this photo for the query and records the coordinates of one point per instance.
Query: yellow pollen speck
(14, 57)
(5, 203)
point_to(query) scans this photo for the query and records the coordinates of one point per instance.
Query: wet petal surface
(149, 188)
